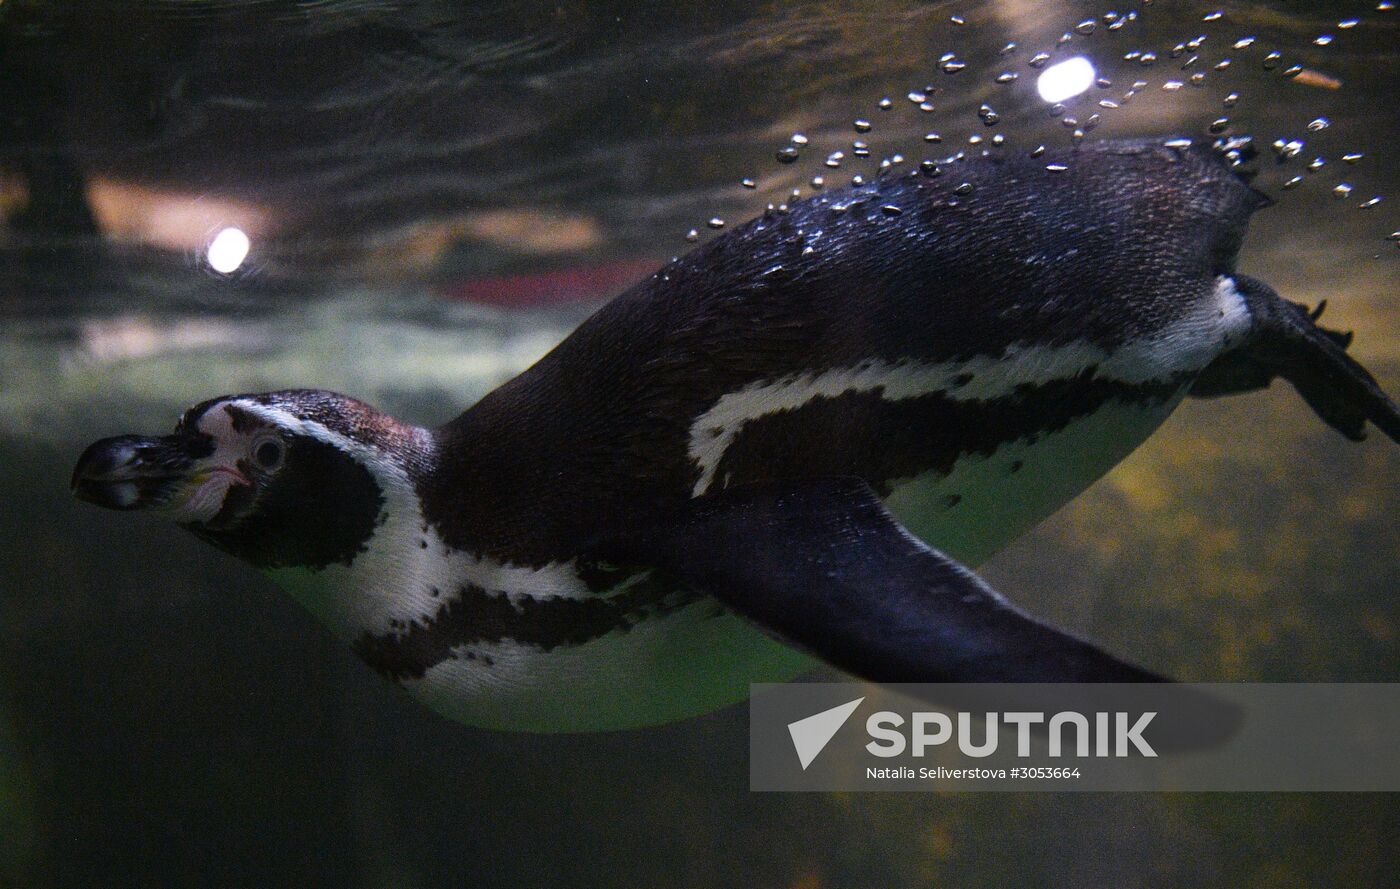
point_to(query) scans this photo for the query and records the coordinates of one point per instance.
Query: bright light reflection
(1065, 80)
(228, 250)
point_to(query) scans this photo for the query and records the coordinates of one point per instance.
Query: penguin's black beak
(137, 472)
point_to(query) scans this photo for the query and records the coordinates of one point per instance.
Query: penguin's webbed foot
(1287, 342)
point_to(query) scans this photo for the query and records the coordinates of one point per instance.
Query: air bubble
(862, 126)
(1039, 60)
(1212, 16)
(1342, 190)
(933, 138)
(715, 222)
(1293, 183)
(798, 139)
(1243, 42)
(1293, 71)
(1007, 76)
(963, 188)
(1347, 24)
(1056, 168)
(1231, 100)
(1366, 205)
(786, 155)
(1272, 60)
(748, 183)
(891, 210)
(886, 103)
(989, 117)
(1322, 39)
(953, 66)
(692, 235)
(1353, 157)
(1318, 125)
(1172, 86)
(1086, 27)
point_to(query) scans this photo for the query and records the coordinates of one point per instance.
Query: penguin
(784, 447)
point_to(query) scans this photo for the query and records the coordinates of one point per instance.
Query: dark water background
(435, 194)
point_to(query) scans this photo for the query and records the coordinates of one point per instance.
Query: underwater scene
(411, 202)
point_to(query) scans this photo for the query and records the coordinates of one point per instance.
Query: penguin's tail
(1288, 342)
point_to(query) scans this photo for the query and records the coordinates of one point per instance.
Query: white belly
(698, 658)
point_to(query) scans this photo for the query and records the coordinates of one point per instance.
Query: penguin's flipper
(1287, 342)
(823, 566)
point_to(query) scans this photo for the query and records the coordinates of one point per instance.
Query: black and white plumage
(787, 440)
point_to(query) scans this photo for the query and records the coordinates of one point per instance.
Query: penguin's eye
(268, 454)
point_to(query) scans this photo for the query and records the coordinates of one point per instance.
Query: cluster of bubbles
(1069, 78)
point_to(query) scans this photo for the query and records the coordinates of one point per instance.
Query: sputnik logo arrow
(812, 734)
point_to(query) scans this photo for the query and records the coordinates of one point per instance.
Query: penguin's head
(297, 478)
